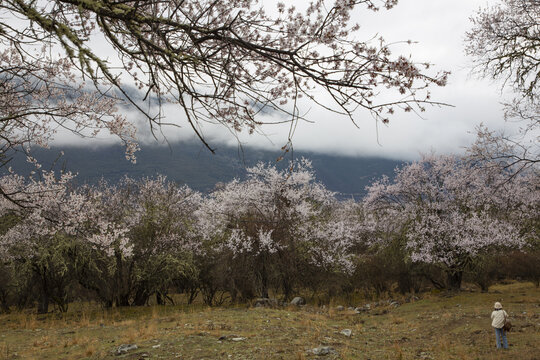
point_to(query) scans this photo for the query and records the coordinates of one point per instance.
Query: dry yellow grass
(435, 327)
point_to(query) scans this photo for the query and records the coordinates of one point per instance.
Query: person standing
(498, 318)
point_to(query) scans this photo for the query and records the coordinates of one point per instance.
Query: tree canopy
(504, 43)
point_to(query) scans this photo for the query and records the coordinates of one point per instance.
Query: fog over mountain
(192, 164)
(437, 32)
(345, 157)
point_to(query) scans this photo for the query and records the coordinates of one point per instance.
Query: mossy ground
(434, 327)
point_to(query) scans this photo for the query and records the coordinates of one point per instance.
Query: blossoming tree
(157, 241)
(504, 44)
(452, 211)
(41, 95)
(50, 219)
(280, 219)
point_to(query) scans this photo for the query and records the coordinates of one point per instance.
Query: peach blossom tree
(452, 211)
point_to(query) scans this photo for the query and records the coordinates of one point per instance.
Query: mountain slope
(189, 163)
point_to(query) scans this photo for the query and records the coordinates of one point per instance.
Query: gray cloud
(439, 28)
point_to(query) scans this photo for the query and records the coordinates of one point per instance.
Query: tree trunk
(453, 281)
(193, 292)
(264, 282)
(122, 300)
(122, 282)
(4, 305)
(263, 276)
(44, 289)
(43, 303)
(62, 303)
(287, 288)
(141, 297)
(159, 298)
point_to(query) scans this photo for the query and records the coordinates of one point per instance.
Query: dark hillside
(192, 164)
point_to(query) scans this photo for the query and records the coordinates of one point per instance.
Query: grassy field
(433, 327)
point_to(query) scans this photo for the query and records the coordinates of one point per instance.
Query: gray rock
(231, 337)
(346, 332)
(366, 307)
(323, 350)
(340, 308)
(238, 339)
(124, 348)
(298, 301)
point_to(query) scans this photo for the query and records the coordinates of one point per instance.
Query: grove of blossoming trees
(277, 231)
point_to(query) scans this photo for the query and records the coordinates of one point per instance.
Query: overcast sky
(439, 29)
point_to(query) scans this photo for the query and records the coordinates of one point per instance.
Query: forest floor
(436, 326)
